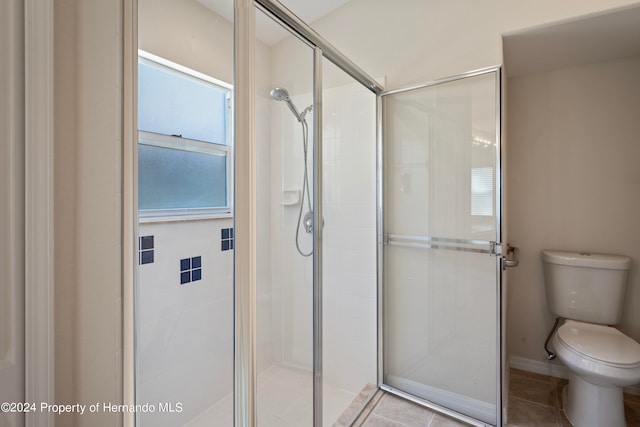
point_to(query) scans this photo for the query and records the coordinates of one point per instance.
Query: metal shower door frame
(496, 248)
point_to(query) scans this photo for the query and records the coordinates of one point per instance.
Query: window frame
(192, 145)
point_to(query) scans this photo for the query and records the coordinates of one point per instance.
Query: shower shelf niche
(290, 197)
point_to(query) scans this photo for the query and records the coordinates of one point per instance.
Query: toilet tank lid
(585, 259)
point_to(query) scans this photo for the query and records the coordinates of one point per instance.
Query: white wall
(189, 34)
(412, 41)
(573, 182)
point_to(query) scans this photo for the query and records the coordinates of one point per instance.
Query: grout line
(390, 419)
(533, 402)
(368, 409)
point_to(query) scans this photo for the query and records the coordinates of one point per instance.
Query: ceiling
(307, 10)
(600, 37)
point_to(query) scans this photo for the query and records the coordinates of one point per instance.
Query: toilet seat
(599, 343)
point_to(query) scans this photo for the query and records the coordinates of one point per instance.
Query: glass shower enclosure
(356, 246)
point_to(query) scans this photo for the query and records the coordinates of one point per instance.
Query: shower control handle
(308, 222)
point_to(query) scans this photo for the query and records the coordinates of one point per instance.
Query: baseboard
(552, 369)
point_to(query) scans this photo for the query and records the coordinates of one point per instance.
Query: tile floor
(387, 410)
(534, 401)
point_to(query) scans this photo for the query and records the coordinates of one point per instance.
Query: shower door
(440, 243)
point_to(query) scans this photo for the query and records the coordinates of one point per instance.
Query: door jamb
(39, 205)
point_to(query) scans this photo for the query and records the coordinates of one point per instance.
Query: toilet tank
(586, 287)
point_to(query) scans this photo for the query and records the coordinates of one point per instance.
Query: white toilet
(589, 290)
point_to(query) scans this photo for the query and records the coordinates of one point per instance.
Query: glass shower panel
(349, 294)
(440, 217)
(284, 81)
(184, 290)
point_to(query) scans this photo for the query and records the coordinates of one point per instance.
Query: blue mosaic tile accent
(185, 277)
(146, 242)
(226, 236)
(190, 269)
(145, 250)
(146, 257)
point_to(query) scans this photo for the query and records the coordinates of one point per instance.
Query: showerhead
(281, 94)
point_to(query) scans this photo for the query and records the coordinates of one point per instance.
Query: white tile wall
(185, 332)
(291, 273)
(349, 286)
(349, 257)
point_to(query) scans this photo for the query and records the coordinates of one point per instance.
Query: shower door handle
(511, 258)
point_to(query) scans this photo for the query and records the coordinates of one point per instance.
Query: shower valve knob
(308, 222)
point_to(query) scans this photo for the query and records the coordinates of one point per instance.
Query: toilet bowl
(601, 361)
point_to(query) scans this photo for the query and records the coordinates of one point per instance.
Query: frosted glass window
(175, 103)
(183, 140)
(482, 191)
(175, 179)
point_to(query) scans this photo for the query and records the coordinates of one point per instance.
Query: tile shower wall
(349, 285)
(349, 256)
(185, 298)
(291, 274)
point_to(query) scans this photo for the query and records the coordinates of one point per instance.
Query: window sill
(183, 218)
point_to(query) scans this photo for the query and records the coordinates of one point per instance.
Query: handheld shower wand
(281, 94)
